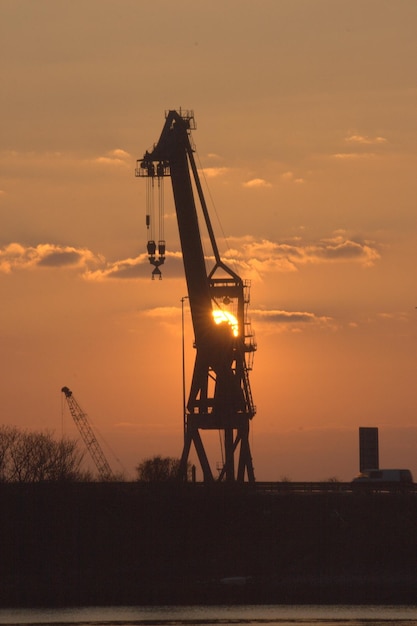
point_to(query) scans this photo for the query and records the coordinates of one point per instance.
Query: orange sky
(306, 132)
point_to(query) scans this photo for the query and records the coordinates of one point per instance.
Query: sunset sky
(306, 137)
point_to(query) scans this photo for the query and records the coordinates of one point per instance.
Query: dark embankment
(137, 544)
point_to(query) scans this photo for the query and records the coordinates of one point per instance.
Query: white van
(384, 476)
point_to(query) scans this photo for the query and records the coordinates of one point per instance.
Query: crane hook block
(156, 272)
(161, 249)
(151, 250)
(156, 262)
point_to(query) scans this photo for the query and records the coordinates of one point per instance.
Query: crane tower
(93, 446)
(220, 396)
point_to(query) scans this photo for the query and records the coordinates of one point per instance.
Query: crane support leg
(193, 436)
(245, 457)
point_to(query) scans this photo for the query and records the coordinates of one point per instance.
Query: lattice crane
(90, 440)
(220, 396)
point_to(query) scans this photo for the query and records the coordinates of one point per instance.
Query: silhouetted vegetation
(158, 469)
(30, 457)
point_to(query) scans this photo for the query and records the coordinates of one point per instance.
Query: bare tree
(29, 457)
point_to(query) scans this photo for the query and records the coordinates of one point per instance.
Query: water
(214, 615)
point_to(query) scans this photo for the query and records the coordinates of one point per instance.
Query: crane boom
(220, 396)
(90, 440)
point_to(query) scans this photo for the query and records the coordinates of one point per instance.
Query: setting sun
(224, 316)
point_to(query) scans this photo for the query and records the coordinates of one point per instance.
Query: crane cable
(150, 207)
(201, 170)
(161, 207)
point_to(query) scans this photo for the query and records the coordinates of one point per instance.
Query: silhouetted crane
(220, 396)
(80, 418)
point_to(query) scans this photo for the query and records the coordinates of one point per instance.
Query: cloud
(252, 258)
(256, 183)
(340, 249)
(127, 268)
(259, 257)
(396, 316)
(167, 317)
(163, 312)
(214, 172)
(60, 258)
(94, 267)
(364, 140)
(213, 155)
(357, 140)
(292, 320)
(15, 257)
(40, 165)
(138, 267)
(290, 177)
(114, 157)
(354, 155)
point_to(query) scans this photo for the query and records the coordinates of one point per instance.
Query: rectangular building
(368, 448)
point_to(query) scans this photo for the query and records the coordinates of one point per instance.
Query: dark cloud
(60, 258)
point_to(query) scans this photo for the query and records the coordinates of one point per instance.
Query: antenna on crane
(90, 440)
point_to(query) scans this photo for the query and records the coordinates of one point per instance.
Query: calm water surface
(214, 615)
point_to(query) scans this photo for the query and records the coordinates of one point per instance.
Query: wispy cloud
(256, 183)
(162, 312)
(365, 140)
(290, 320)
(397, 316)
(354, 155)
(116, 157)
(290, 177)
(288, 317)
(215, 172)
(138, 267)
(361, 144)
(41, 165)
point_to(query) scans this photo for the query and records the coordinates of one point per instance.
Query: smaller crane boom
(93, 446)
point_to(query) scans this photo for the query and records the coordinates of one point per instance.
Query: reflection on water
(212, 615)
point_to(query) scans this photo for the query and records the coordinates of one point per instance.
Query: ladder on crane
(90, 440)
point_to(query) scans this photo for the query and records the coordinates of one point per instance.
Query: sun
(224, 316)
